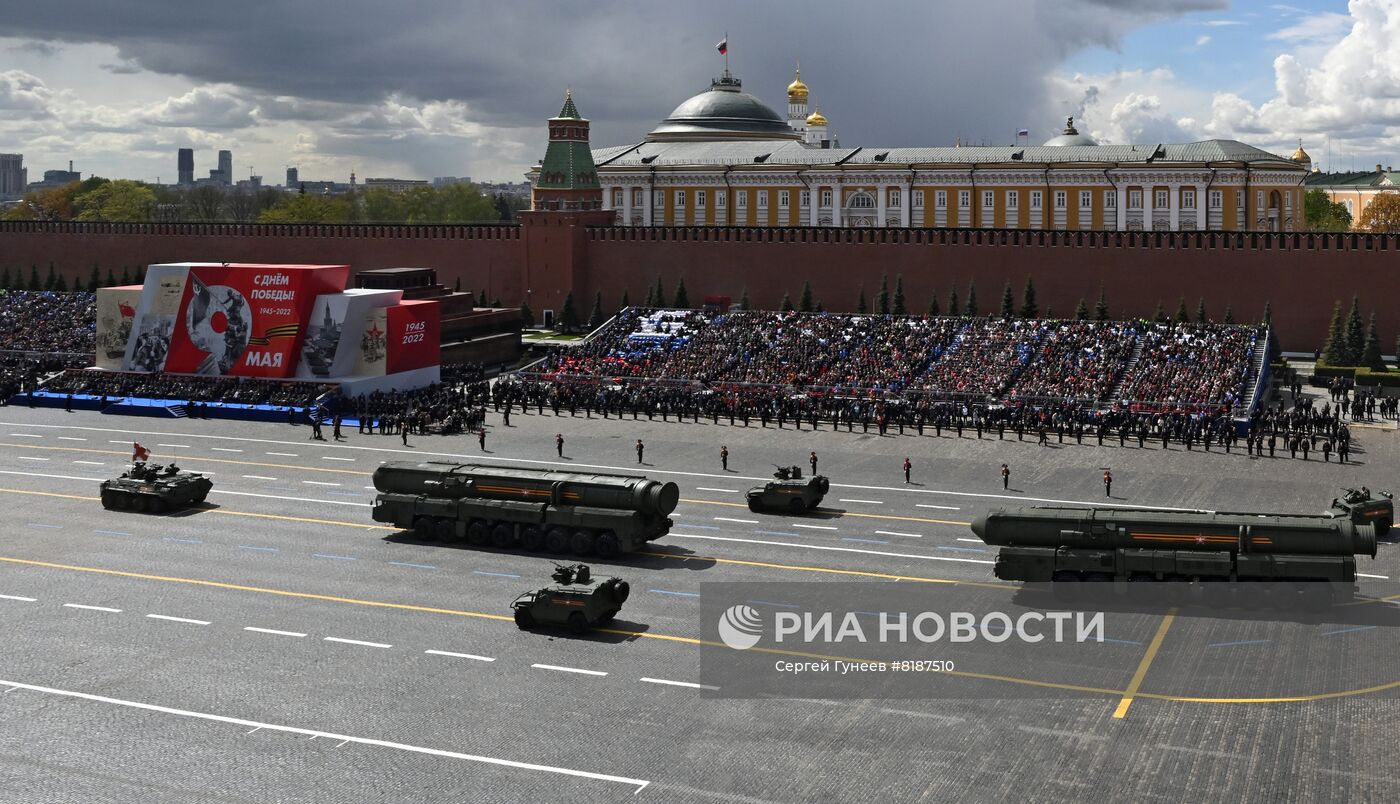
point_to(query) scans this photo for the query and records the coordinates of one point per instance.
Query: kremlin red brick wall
(554, 253)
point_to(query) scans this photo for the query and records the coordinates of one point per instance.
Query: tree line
(1350, 343)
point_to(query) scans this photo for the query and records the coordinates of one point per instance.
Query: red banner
(413, 336)
(247, 320)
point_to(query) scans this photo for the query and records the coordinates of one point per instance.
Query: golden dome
(816, 118)
(797, 91)
(1300, 155)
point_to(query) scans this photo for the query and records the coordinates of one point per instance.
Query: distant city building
(394, 185)
(1353, 190)
(250, 184)
(226, 166)
(518, 189)
(186, 166)
(13, 177)
(444, 181)
(292, 177)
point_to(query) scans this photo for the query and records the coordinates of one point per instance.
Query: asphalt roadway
(277, 645)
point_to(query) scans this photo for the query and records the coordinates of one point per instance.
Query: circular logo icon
(740, 627)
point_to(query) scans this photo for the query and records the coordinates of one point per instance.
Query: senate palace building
(725, 158)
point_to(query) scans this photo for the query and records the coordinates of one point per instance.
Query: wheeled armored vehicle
(575, 600)
(1364, 508)
(788, 491)
(154, 488)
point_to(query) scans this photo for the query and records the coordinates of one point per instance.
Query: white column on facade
(1120, 207)
(1202, 211)
(648, 203)
(815, 195)
(627, 205)
(906, 213)
(881, 200)
(608, 197)
(1174, 207)
(1147, 199)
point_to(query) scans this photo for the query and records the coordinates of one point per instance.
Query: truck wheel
(138, 503)
(201, 496)
(621, 590)
(478, 533)
(582, 543)
(797, 506)
(524, 619)
(608, 615)
(109, 500)
(532, 539)
(502, 536)
(578, 623)
(607, 546)
(423, 528)
(557, 540)
(445, 529)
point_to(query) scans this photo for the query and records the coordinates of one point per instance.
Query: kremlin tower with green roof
(568, 179)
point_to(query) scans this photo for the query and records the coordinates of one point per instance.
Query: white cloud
(24, 93)
(1327, 26)
(205, 107)
(1222, 23)
(1202, 41)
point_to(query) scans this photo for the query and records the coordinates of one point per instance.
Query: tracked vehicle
(154, 488)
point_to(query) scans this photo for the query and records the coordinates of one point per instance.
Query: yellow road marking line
(1133, 686)
(196, 458)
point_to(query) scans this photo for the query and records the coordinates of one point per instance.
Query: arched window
(860, 200)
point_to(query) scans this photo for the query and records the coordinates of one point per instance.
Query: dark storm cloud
(892, 73)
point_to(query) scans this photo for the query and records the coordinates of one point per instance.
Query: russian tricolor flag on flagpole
(723, 46)
(1025, 132)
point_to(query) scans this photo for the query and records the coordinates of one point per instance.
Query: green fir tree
(787, 304)
(744, 300)
(898, 308)
(861, 306)
(1371, 351)
(568, 317)
(1181, 315)
(1229, 317)
(1081, 310)
(972, 299)
(1354, 333)
(1008, 302)
(954, 306)
(1268, 319)
(1160, 316)
(51, 279)
(1334, 348)
(626, 302)
(1201, 311)
(659, 295)
(5, 278)
(884, 298)
(34, 281)
(682, 298)
(1101, 308)
(933, 310)
(61, 285)
(595, 316)
(527, 316)
(111, 280)
(94, 280)
(126, 275)
(1029, 309)
(804, 302)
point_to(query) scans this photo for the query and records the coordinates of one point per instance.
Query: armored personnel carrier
(1362, 508)
(574, 600)
(154, 488)
(788, 491)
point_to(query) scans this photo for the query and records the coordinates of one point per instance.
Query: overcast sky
(426, 88)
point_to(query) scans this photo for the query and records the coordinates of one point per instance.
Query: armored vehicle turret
(788, 491)
(1364, 508)
(575, 600)
(154, 488)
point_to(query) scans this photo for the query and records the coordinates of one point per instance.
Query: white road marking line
(283, 454)
(868, 502)
(640, 784)
(92, 608)
(929, 715)
(20, 599)
(71, 438)
(273, 631)
(27, 458)
(811, 527)
(1203, 751)
(371, 488)
(333, 458)
(1365, 575)
(357, 642)
(34, 435)
(177, 619)
(175, 446)
(800, 546)
(460, 655)
(740, 521)
(897, 533)
(568, 669)
(671, 683)
(89, 463)
(109, 442)
(1075, 735)
(224, 449)
(319, 483)
(258, 477)
(944, 507)
(974, 541)
(726, 491)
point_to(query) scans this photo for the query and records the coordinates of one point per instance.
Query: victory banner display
(413, 335)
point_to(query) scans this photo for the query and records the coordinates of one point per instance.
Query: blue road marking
(42, 525)
(959, 549)
(415, 566)
(770, 603)
(113, 532)
(263, 549)
(280, 488)
(1122, 641)
(867, 541)
(337, 558)
(346, 493)
(704, 527)
(776, 533)
(677, 594)
(1348, 630)
(1241, 642)
(496, 574)
(183, 541)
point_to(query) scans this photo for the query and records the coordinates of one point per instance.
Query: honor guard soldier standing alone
(1107, 483)
(724, 458)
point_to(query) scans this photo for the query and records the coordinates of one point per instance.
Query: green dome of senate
(723, 112)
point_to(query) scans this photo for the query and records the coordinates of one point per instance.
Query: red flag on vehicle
(138, 452)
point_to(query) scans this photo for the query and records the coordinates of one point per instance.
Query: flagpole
(726, 52)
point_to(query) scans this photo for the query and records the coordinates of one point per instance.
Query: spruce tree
(34, 283)
(787, 304)
(61, 285)
(457, 288)
(5, 278)
(659, 294)
(898, 308)
(1181, 316)
(568, 317)
(1268, 319)
(481, 297)
(861, 306)
(496, 303)
(595, 316)
(1334, 348)
(126, 275)
(884, 298)
(51, 279)
(140, 275)
(744, 300)
(682, 298)
(804, 302)
(1081, 310)
(95, 280)
(1008, 303)
(972, 299)
(1371, 352)
(111, 280)
(1028, 305)
(1201, 311)
(954, 306)
(527, 316)
(933, 304)
(1160, 316)
(1101, 308)
(1355, 334)
(1229, 317)
(820, 308)
(626, 302)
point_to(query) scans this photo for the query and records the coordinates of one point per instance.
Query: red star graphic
(375, 332)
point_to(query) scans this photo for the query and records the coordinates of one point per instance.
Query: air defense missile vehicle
(1362, 508)
(788, 492)
(154, 488)
(531, 509)
(574, 600)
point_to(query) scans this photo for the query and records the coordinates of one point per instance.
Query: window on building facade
(894, 198)
(680, 198)
(918, 199)
(1135, 199)
(1036, 197)
(783, 197)
(826, 198)
(1350, 211)
(1060, 199)
(1110, 199)
(1086, 199)
(763, 198)
(699, 198)
(1216, 199)
(1259, 199)
(1159, 199)
(940, 198)
(806, 198)
(1287, 200)
(720, 198)
(989, 198)
(617, 198)
(1188, 199)
(1239, 199)
(1013, 199)
(741, 198)
(964, 199)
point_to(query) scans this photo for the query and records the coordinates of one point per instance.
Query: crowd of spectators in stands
(48, 321)
(186, 387)
(457, 404)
